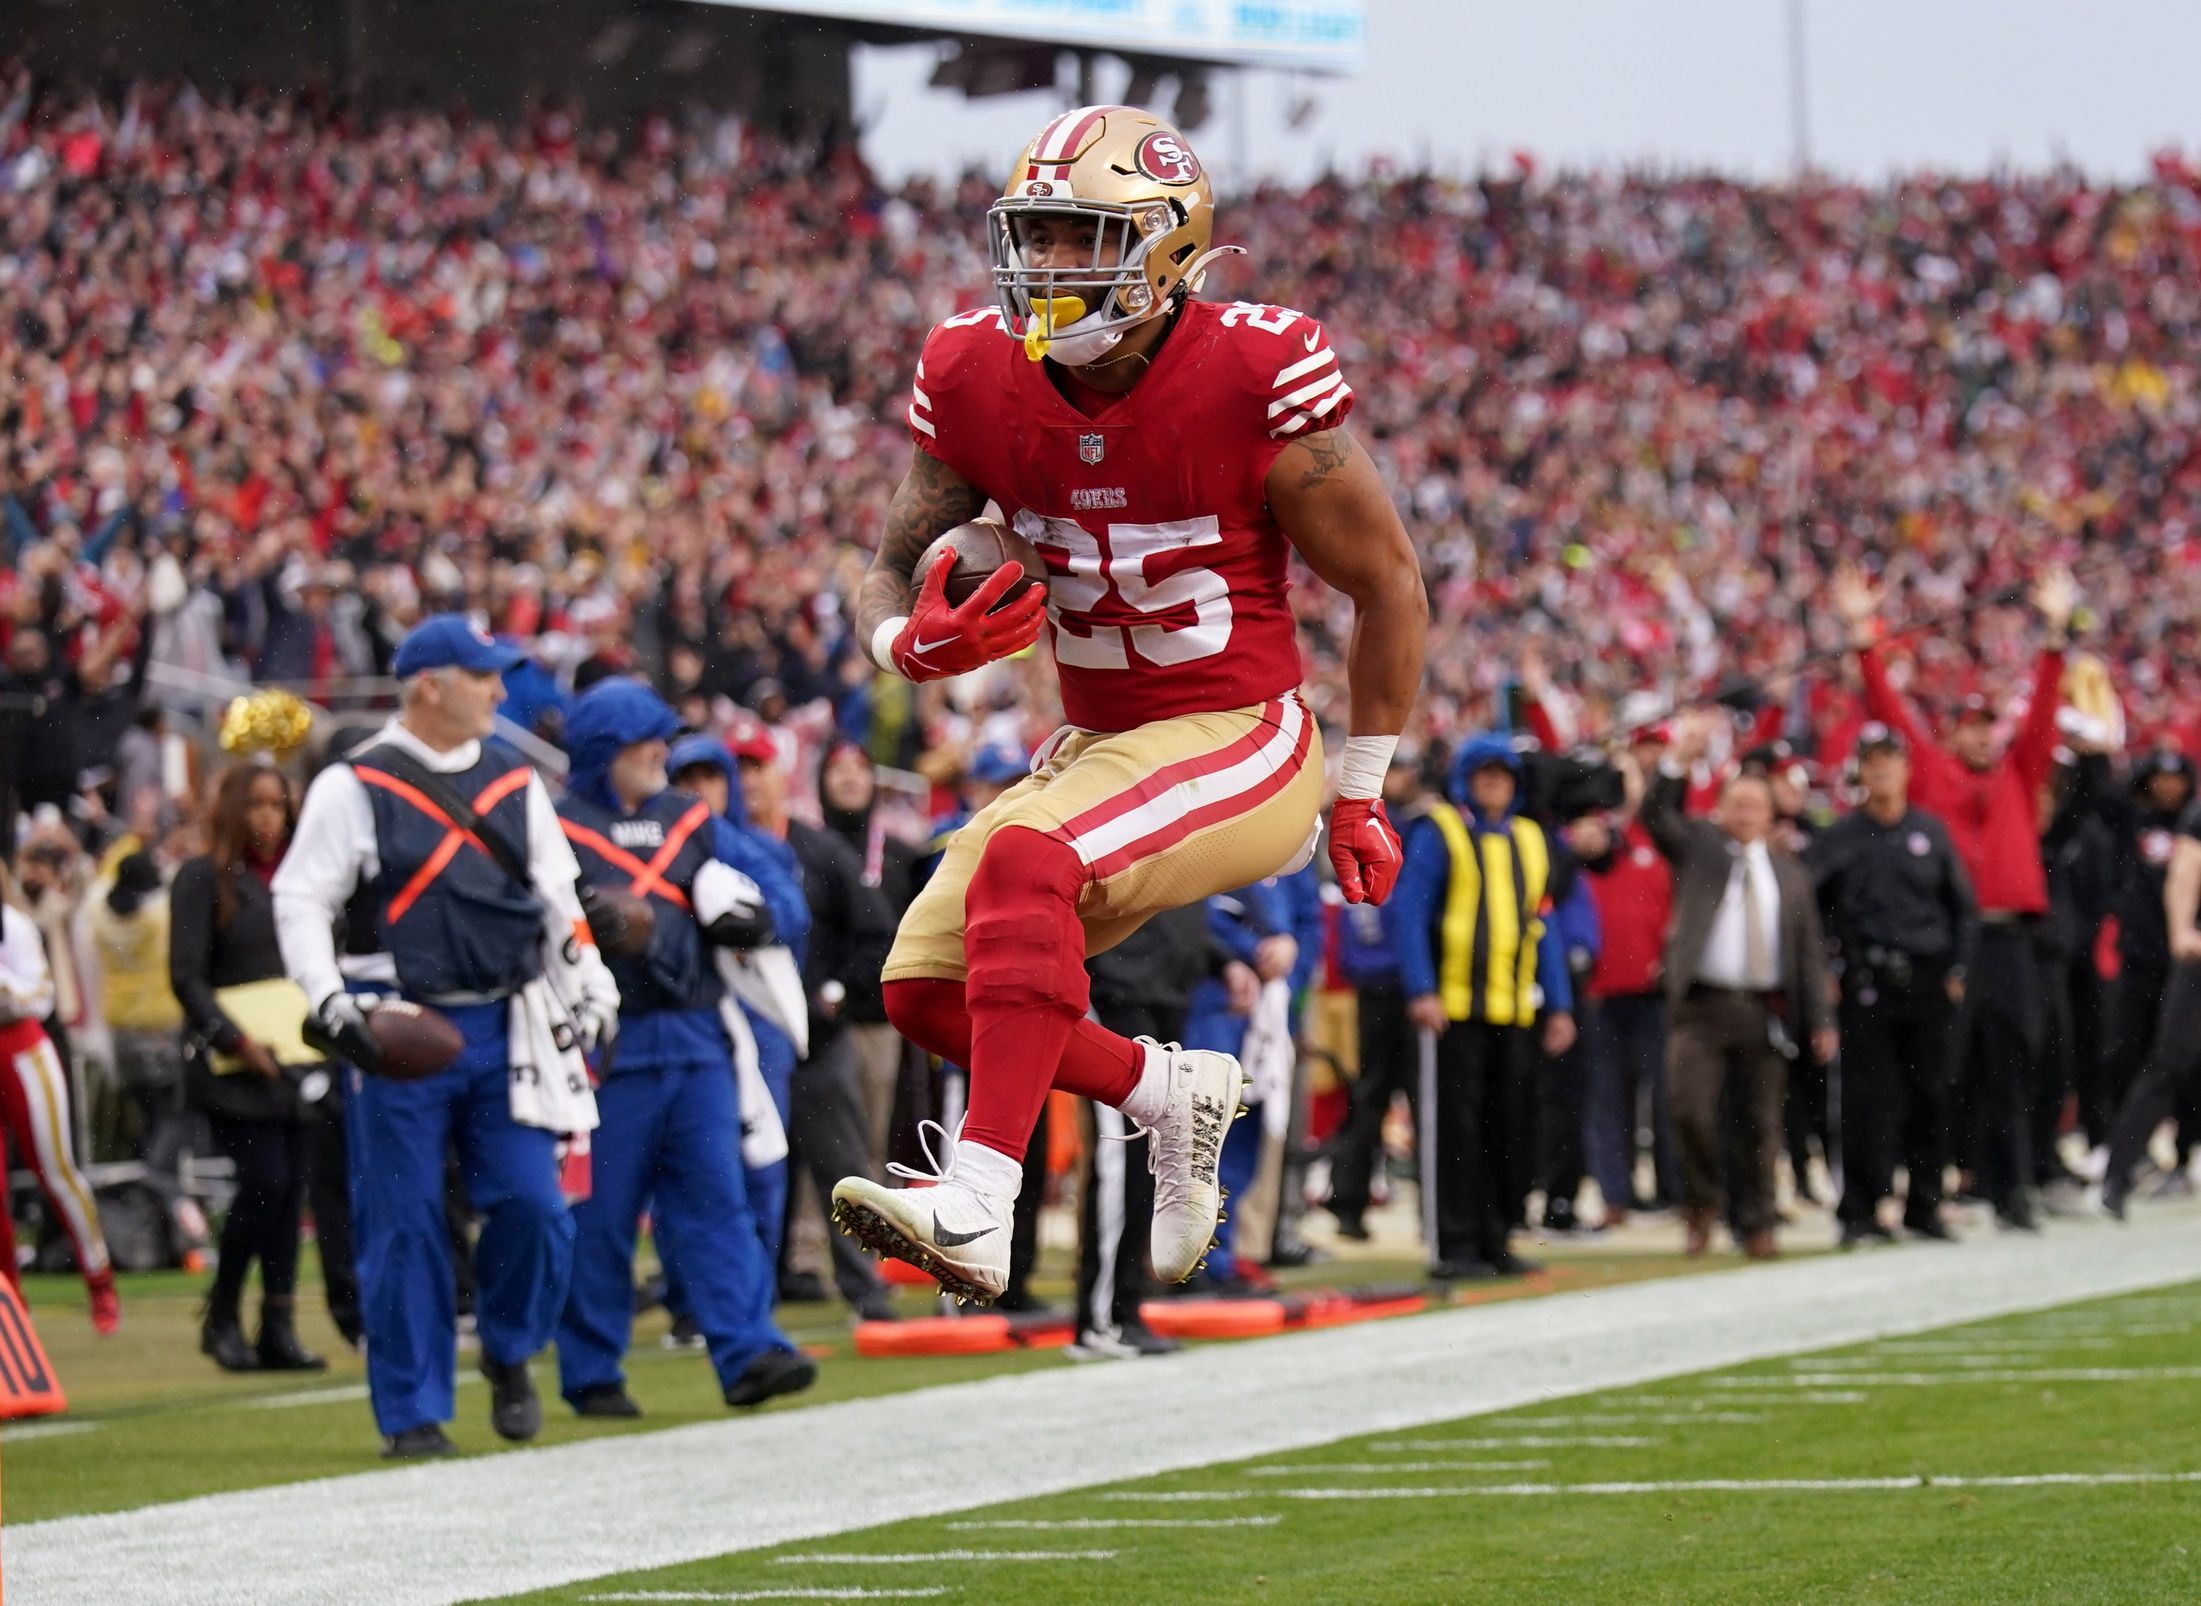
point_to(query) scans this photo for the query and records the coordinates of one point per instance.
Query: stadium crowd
(288, 379)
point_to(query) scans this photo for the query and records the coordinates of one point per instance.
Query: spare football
(981, 547)
(621, 923)
(414, 1041)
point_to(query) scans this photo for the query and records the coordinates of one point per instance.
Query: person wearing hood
(670, 1127)
(825, 1126)
(701, 764)
(848, 790)
(1478, 964)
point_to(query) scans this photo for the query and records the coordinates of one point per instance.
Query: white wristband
(1360, 772)
(882, 642)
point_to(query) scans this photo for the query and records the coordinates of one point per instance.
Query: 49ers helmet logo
(1162, 155)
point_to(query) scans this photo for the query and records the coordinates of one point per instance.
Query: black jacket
(1899, 887)
(1158, 964)
(204, 955)
(850, 926)
(894, 879)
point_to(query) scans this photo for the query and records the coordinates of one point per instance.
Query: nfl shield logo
(1091, 448)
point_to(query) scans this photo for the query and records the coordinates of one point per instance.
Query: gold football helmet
(1135, 179)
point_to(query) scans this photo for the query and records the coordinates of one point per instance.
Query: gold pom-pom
(271, 722)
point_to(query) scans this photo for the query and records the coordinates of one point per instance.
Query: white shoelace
(943, 1170)
(1136, 1131)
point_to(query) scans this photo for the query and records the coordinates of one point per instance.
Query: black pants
(1562, 1110)
(2000, 1052)
(1024, 1219)
(1627, 1095)
(329, 1196)
(270, 1162)
(2168, 1074)
(825, 1137)
(2135, 1008)
(1474, 1161)
(2071, 1044)
(1804, 1118)
(1894, 1075)
(1390, 1063)
(1116, 1199)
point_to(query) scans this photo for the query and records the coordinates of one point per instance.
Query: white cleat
(953, 1232)
(1205, 1092)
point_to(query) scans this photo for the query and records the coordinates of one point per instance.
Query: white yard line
(1527, 1441)
(915, 1558)
(1299, 1469)
(1082, 1524)
(24, 1432)
(1480, 1491)
(2015, 1374)
(1668, 1419)
(430, 1535)
(932, 1592)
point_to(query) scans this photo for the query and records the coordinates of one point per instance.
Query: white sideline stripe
(934, 1591)
(495, 1525)
(334, 1393)
(1081, 1524)
(911, 1558)
(23, 1432)
(931, 1593)
(1473, 1491)
(1297, 1469)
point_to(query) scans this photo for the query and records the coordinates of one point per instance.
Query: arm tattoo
(932, 500)
(1326, 454)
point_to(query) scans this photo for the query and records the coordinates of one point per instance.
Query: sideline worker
(671, 1128)
(427, 905)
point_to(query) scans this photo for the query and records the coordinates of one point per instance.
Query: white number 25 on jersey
(1083, 642)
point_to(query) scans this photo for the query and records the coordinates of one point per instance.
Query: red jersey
(1167, 569)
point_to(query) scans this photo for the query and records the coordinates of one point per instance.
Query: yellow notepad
(272, 1012)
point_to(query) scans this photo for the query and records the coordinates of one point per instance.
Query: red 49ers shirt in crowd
(1167, 570)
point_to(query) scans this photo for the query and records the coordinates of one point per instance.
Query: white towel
(763, 1135)
(1269, 1056)
(770, 982)
(549, 1082)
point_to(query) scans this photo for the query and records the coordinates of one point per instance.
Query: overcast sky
(1952, 84)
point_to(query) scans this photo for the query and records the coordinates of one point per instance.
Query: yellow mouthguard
(1050, 313)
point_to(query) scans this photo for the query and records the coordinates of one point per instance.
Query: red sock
(1097, 1063)
(1026, 991)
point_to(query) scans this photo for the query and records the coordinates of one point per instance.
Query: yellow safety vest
(1486, 966)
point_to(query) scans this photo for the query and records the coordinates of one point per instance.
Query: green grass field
(1857, 1474)
(151, 1420)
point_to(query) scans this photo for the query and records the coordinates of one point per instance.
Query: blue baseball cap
(998, 763)
(452, 641)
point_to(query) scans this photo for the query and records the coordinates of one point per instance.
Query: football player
(1165, 456)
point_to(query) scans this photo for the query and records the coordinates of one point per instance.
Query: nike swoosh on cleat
(954, 1240)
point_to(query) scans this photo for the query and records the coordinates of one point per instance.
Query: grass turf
(1969, 1412)
(166, 1425)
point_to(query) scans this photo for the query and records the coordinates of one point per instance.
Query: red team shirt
(1167, 591)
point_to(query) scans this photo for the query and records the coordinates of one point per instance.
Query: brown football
(415, 1041)
(981, 547)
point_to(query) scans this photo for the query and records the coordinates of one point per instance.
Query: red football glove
(1364, 850)
(940, 641)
